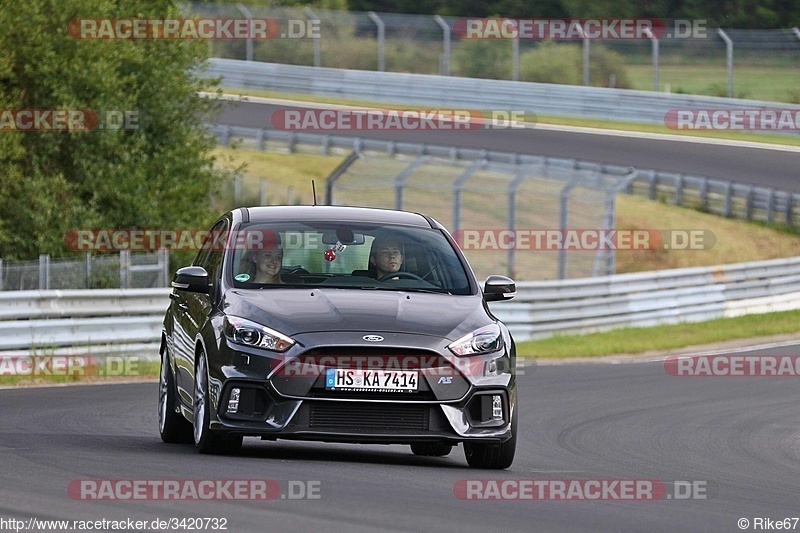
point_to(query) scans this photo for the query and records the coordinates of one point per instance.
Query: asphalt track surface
(738, 436)
(766, 168)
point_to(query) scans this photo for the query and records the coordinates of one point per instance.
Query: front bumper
(284, 396)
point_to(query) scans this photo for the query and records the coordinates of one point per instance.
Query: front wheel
(206, 440)
(172, 426)
(494, 456)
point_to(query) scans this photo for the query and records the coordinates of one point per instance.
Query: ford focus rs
(337, 324)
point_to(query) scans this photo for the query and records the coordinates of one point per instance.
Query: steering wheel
(400, 274)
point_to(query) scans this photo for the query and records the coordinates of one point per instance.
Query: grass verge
(666, 337)
(144, 370)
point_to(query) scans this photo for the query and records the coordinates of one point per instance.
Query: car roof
(329, 213)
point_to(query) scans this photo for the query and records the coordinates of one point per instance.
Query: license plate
(371, 380)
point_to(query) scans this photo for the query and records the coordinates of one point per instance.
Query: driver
(385, 256)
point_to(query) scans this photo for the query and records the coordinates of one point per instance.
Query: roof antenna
(314, 192)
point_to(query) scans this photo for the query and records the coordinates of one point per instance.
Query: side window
(213, 250)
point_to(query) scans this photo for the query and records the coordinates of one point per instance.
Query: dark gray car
(337, 324)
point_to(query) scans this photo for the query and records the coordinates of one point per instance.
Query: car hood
(293, 311)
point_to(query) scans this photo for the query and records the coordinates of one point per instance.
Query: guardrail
(470, 93)
(716, 196)
(545, 308)
(97, 322)
(128, 321)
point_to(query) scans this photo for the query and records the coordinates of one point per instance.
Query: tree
(156, 173)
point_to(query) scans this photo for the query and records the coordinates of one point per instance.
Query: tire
(206, 440)
(431, 449)
(494, 456)
(172, 425)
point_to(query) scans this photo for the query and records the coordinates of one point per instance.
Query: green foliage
(483, 59)
(156, 176)
(563, 63)
(721, 90)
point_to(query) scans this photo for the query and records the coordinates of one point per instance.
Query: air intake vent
(368, 416)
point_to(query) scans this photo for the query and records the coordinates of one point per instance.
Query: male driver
(385, 256)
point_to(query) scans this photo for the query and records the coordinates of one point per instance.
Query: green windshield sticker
(242, 277)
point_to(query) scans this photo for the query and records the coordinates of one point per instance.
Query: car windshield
(353, 256)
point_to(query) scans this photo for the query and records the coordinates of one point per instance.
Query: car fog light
(233, 401)
(497, 407)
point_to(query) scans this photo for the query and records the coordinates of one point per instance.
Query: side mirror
(192, 279)
(499, 288)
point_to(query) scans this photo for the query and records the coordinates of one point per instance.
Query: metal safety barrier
(545, 308)
(470, 93)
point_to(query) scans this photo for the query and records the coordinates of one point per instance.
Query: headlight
(483, 340)
(242, 331)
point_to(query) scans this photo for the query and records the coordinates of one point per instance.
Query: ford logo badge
(372, 338)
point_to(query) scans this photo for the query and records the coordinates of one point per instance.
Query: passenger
(263, 263)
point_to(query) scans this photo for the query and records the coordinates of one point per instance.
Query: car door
(194, 308)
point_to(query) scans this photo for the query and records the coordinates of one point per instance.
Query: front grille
(368, 416)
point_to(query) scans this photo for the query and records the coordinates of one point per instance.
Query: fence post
(163, 265)
(513, 187)
(44, 272)
(653, 184)
(249, 17)
(585, 57)
(729, 59)
(654, 42)
(770, 205)
(728, 199)
(317, 55)
(586, 81)
(445, 43)
(88, 270)
(124, 269)
(515, 59)
(704, 193)
(679, 190)
(458, 184)
(400, 180)
(562, 225)
(260, 139)
(748, 204)
(381, 39)
(789, 215)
